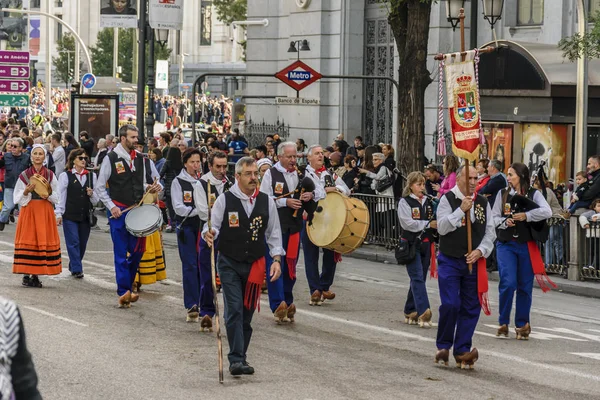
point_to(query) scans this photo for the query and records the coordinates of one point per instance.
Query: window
(205, 23)
(530, 12)
(35, 3)
(594, 7)
(59, 29)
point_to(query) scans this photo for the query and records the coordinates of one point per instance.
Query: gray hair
(282, 146)
(38, 140)
(496, 164)
(243, 162)
(101, 143)
(311, 148)
(460, 170)
(379, 156)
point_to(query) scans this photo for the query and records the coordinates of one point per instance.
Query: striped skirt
(37, 244)
(152, 266)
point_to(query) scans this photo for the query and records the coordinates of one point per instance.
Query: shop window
(530, 12)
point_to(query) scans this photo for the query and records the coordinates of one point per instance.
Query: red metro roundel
(298, 75)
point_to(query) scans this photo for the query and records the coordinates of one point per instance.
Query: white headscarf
(39, 146)
(263, 161)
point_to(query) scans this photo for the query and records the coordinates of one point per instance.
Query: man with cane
(243, 219)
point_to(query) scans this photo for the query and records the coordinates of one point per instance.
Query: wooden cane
(215, 296)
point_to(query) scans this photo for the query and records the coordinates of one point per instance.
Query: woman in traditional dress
(37, 244)
(73, 210)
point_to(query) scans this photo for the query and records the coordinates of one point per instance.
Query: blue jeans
(76, 238)
(417, 299)
(516, 274)
(282, 288)
(323, 281)
(579, 204)
(553, 249)
(7, 206)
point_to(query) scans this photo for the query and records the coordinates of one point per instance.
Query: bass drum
(340, 223)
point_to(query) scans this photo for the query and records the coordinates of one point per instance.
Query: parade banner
(118, 14)
(166, 14)
(463, 105)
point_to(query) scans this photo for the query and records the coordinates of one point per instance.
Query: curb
(564, 286)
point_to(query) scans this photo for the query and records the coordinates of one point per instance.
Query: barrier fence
(571, 250)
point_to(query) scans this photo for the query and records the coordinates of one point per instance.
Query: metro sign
(298, 75)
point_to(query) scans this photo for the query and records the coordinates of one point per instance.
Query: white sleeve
(273, 232)
(155, 175)
(341, 186)
(177, 201)
(94, 199)
(541, 213)
(201, 203)
(498, 212)
(216, 217)
(100, 188)
(266, 186)
(18, 196)
(63, 182)
(55, 197)
(319, 193)
(487, 243)
(406, 220)
(448, 220)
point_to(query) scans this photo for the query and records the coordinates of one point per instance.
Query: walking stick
(215, 296)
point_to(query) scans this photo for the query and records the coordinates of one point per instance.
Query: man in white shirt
(58, 154)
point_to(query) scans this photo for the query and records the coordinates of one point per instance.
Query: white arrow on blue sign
(88, 81)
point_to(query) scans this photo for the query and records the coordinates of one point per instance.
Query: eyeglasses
(82, 158)
(114, 142)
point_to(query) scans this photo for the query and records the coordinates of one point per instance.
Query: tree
(65, 61)
(587, 45)
(102, 53)
(409, 22)
(231, 10)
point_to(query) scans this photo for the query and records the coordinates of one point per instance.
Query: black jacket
(491, 189)
(593, 191)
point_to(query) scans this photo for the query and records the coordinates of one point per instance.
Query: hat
(264, 161)
(329, 149)
(336, 156)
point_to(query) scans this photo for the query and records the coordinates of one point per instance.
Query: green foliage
(231, 10)
(102, 53)
(588, 46)
(65, 61)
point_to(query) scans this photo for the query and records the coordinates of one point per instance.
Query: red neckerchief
(322, 169)
(291, 169)
(132, 154)
(254, 195)
(84, 172)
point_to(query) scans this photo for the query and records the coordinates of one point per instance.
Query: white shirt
(405, 215)
(58, 155)
(273, 231)
(22, 200)
(266, 186)
(200, 195)
(537, 214)
(320, 192)
(104, 176)
(63, 183)
(449, 221)
(179, 206)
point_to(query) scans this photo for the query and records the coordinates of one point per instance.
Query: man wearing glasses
(14, 163)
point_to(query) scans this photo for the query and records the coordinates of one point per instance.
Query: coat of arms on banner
(465, 102)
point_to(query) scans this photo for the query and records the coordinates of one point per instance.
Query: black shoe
(77, 275)
(11, 218)
(2, 224)
(236, 369)
(247, 369)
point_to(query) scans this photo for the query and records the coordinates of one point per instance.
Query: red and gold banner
(463, 105)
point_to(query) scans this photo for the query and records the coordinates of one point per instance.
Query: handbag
(407, 251)
(93, 220)
(386, 182)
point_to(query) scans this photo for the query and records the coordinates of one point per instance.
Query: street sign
(298, 75)
(204, 86)
(18, 86)
(14, 71)
(16, 100)
(298, 101)
(88, 81)
(14, 57)
(162, 74)
(185, 87)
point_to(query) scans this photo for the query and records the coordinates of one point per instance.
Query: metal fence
(256, 133)
(384, 226)
(589, 265)
(555, 251)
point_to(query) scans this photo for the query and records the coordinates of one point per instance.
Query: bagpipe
(435, 202)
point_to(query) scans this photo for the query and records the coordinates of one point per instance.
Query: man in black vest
(125, 172)
(243, 219)
(280, 180)
(462, 292)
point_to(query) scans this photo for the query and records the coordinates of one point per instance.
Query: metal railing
(555, 251)
(384, 226)
(589, 265)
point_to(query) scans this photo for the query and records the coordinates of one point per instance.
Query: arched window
(530, 12)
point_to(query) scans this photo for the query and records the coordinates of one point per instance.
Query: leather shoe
(236, 369)
(247, 369)
(2, 226)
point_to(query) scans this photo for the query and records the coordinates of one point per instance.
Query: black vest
(77, 205)
(425, 213)
(214, 193)
(187, 193)
(286, 214)
(521, 232)
(126, 187)
(241, 238)
(454, 244)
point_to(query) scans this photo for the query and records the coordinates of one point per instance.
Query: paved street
(355, 347)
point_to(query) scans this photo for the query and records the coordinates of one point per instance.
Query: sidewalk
(578, 288)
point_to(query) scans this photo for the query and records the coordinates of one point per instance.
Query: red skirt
(37, 244)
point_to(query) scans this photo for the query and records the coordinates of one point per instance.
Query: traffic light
(76, 87)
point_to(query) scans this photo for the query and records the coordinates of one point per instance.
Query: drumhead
(142, 218)
(328, 224)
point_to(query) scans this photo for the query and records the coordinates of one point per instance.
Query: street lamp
(453, 8)
(303, 46)
(162, 36)
(492, 11)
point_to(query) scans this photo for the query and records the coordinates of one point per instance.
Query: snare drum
(144, 220)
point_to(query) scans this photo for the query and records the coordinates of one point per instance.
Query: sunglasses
(82, 158)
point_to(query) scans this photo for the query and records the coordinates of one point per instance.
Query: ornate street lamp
(492, 11)
(162, 36)
(453, 10)
(302, 46)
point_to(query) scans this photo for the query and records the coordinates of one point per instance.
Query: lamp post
(492, 11)
(161, 36)
(302, 46)
(453, 8)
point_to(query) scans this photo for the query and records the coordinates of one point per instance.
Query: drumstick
(138, 204)
(215, 296)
